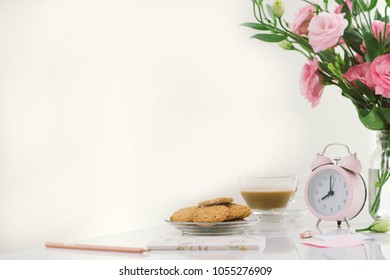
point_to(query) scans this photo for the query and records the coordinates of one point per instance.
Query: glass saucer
(221, 228)
(285, 215)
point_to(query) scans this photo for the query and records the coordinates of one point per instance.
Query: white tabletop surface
(281, 242)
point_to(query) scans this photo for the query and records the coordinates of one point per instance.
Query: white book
(194, 242)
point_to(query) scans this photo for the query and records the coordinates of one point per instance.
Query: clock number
(331, 209)
(319, 201)
(321, 185)
(324, 206)
(338, 207)
(345, 185)
(346, 192)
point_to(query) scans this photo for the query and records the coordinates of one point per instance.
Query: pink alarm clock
(335, 191)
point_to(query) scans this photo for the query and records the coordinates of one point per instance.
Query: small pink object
(342, 241)
(309, 233)
(351, 163)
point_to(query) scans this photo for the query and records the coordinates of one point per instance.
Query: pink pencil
(94, 247)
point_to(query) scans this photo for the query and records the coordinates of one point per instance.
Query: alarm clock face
(328, 192)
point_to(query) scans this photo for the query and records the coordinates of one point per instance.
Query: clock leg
(346, 221)
(338, 223)
(318, 223)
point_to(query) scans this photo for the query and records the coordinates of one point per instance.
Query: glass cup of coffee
(269, 193)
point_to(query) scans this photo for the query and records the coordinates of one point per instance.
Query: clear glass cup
(269, 193)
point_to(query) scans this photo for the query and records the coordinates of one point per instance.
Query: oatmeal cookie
(184, 214)
(211, 214)
(237, 211)
(215, 201)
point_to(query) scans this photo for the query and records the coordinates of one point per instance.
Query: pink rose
(310, 82)
(358, 72)
(380, 75)
(379, 27)
(325, 30)
(302, 19)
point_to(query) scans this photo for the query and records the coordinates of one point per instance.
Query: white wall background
(115, 113)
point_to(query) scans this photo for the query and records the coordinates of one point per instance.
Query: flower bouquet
(346, 44)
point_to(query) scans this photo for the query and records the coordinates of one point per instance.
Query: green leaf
(359, 6)
(347, 14)
(309, 49)
(372, 4)
(271, 38)
(369, 93)
(327, 56)
(347, 63)
(362, 4)
(386, 114)
(388, 2)
(356, 8)
(372, 46)
(353, 39)
(371, 119)
(362, 87)
(257, 26)
(377, 15)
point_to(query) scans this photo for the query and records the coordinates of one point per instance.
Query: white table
(282, 242)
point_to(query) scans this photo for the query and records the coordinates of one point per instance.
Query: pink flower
(310, 82)
(340, 7)
(302, 19)
(349, 3)
(380, 75)
(358, 72)
(363, 47)
(325, 30)
(379, 27)
(359, 58)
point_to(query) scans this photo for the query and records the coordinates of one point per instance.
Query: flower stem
(375, 205)
(362, 229)
(383, 173)
(349, 53)
(295, 37)
(255, 14)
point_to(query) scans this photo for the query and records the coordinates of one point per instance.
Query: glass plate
(288, 214)
(221, 228)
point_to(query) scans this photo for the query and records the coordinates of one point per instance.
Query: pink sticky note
(342, 241)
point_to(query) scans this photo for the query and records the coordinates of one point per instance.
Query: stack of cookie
(212, 211)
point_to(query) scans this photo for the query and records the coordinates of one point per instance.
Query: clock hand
(331, 184)
(331, 192)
